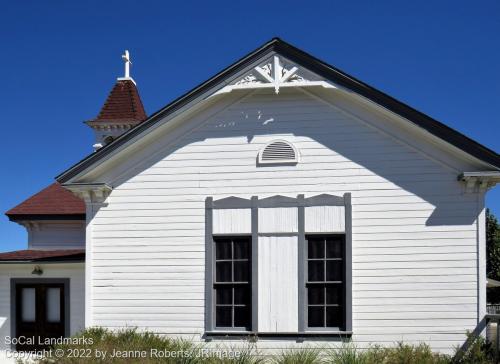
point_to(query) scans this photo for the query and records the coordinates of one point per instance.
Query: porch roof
(30, 255)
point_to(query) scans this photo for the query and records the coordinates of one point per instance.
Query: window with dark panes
(232, 282)
(325, 281)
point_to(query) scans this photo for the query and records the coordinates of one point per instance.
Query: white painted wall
(49, 235)
(415, 261)
(74, 271)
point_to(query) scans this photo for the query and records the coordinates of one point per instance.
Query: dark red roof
(123, 104)
(52, 200)
(43, 255)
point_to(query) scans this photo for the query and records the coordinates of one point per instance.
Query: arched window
(278, 152)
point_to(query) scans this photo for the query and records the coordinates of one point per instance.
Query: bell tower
(122, 110)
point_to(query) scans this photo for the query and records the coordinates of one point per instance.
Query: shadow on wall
(331, 140)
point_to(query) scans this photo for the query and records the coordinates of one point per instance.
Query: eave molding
(91, 193)
(479, 181)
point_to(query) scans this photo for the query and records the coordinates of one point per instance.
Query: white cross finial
(126, 58)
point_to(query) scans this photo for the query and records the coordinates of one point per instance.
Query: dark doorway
(40, 313)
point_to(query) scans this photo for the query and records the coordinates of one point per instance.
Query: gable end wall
(415, 232)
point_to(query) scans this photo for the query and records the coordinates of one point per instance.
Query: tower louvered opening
(278, 151)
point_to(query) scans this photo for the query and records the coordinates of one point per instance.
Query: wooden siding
(415, 263)
(232, 221)
(57, 235)
(278, 290)
(278, 220)
(320, 219)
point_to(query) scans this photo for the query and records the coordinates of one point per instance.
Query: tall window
(232, 282)
(325, 281)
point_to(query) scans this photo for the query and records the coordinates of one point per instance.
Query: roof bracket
(479, 181)
(91, 193)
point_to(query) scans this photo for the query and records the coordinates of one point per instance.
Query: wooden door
(39, 314)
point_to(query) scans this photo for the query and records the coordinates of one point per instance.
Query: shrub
(400, 354)
(347, 354)
(298, 356)
(105, 341)
(478, 352)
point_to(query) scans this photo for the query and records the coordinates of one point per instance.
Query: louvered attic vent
(277, 152)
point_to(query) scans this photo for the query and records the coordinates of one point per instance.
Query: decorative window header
(278, 201)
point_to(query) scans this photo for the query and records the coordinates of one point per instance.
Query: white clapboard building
(282, 200)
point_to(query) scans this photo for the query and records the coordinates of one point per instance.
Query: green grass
(132, 341)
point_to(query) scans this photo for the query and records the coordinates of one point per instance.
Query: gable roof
(322, 69)
(53, 202)
(123, 104)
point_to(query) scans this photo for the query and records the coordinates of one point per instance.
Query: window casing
(232, 283)
(325, 291)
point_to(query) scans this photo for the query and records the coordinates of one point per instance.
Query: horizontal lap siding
(57, 235)
(414, 232)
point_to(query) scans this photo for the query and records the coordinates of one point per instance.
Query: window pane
(242, 295)
(316, 248)
(316, 295)
(316, 316)
(223, 316)
(241, 272)
(334, 270)
(326, 264)
(241, 249)
(233, 297)
(242, 317)
(223, 249)
(53, 304)
(334, 294)
(28, 299)
(334, 248)
(334, 317)
(223, 272)
(316, 270)
(224, 295)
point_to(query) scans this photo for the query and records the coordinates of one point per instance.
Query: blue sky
(59, 60)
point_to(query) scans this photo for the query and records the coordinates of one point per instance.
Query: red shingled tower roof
(123, 104)
(53, 200)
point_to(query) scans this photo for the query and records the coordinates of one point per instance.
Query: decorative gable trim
(275, 72)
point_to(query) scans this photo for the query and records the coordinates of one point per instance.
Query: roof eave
(45, 217)
(36, 261)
